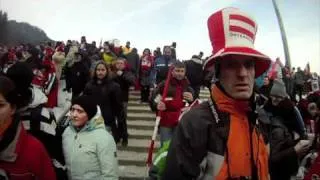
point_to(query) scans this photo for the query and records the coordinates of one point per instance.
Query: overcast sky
(152, 23)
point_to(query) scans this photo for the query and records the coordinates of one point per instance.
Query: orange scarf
(238, 145)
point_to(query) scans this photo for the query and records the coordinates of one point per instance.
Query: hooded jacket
(90, 153)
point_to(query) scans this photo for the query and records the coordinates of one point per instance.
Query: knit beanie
(88, 105)
(278, 89)
(21, 74)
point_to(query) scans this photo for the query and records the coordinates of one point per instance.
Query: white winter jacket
(91, 152)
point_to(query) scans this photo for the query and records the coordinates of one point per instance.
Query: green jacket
(91, 152)
(159, 162)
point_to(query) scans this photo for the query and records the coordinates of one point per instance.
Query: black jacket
(283, 158)
(134, 62)
(194, 71)
(77, 77)
(108, 96)
(198, 145)
(126, 80)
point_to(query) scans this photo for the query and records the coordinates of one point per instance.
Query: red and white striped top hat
(232, 32)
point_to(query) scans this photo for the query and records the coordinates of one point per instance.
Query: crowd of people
(244, 131)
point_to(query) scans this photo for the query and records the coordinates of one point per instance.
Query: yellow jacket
(126, 50)
(108, 58)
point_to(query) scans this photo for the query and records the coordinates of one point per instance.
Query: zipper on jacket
(74, 147)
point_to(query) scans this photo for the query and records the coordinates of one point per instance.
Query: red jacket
(50, 85)
(174, 101)
(26, 159)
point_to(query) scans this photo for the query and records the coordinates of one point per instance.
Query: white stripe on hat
(237, 39)
(242, 24)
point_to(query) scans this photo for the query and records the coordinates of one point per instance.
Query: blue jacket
(91, 152)
(160, 69)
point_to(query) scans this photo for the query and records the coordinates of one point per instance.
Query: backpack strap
(213, 111)
(221, 129)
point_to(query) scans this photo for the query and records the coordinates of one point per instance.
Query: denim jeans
(166, 133)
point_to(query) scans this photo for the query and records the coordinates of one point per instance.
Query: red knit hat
(233, 32)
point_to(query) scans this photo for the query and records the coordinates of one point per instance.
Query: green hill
(13, 32)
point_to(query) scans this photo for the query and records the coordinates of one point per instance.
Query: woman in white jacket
(89, 150)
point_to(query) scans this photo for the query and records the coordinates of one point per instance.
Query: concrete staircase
(140, 120)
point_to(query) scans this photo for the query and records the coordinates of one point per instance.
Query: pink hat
(232, 32)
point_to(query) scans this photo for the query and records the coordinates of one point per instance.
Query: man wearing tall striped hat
(222, 138)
